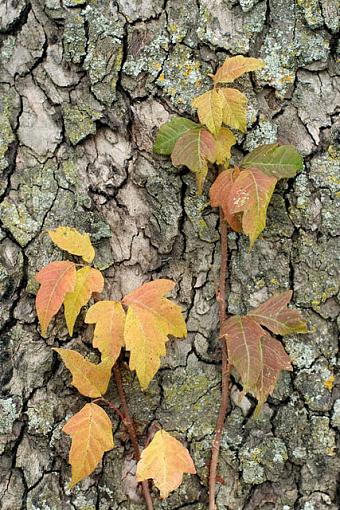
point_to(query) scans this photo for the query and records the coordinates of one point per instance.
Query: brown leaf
(219, 196)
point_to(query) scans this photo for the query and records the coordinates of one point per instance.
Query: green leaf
(169, 133)
(279, 161)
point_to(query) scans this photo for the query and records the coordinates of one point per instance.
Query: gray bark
(84, 86)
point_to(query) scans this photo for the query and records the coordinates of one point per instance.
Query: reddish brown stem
(128, 422)
(222, 312)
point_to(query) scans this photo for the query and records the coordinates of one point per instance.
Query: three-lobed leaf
(91, 432)
(234, 67)
(169, 133)
(164, 460)
(279, 161)
(72, 241)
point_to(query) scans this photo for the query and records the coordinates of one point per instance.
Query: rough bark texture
(84, 85)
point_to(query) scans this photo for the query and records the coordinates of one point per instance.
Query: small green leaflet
(169, 133)
(279, 161)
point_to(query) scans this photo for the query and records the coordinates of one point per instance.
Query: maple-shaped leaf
(279, 161)
(56, 279)
(243, 335)
(209, 109)
(234, 67)
(109, 318)
(169, 133)
(194, 149)
(276, 316)
(234, 108)
(149, 320)
(224, 141)
(219, 196)
(251, 194)
(72, 241)
(90, 379)
(88, 280)
(91, 432)
(164, 460)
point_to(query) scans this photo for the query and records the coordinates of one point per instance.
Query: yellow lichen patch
(329, 383)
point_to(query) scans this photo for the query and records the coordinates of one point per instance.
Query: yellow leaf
(109, 317)
(91, 432)
(149, 321)
(234, 67)
(72, 241)
(164, 460)
(90, 380)
(234, 108)
(224, 141)
(209, 109)
(88, 280)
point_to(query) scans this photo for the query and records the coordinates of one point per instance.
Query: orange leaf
(91, 432)
(72, 241)
(90, 380)
(234, 108)
(224, 141)
(149, 321)
(164, 460)
(56, 279)
(209, 110)
(274, 315)
(219, 196)
(88, 280)
(109, 318)
(234, 67)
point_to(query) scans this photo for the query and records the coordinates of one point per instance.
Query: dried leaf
(56, 279)
(90, 380)
(224, 141)
(209, 109)
(234, 108)
(88, 280)
(164, 460)
(72, 241)
(251, 194)
(109, 317)
(234, 67)
(91, 432)
(279, 161)
(274, 315)
(149, 321)
(169, 133)
(219, 196)
(194, 149)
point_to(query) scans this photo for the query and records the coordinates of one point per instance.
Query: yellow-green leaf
(224, 141)
(234, 67)
(209, 109)
(72, 241)
(279, 161)
(88, 280)
(169, 133)
(91, 432)
(234, 108)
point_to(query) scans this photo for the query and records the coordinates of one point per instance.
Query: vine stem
(222, 313)
(128, 422)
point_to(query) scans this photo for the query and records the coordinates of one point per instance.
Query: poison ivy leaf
(219, 196)
(90, 380)
(72, 241)
(164, 460)
(234, 108)
(251, 194)
(109, 318)
(88, 280)
(149, 321)
(243, 335)
(209, 109)
(169, 133)
(91, 432)
(279, 161)
(234, 67)
(224, 141)
(194, 149)
(56, 279)
(274, 315)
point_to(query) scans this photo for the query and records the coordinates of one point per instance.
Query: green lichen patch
(79, 121)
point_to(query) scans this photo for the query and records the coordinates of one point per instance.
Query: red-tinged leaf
(224, 141)
(74, 242)
(209, 110)
(56, 279)
(164, 460)
(279, 161)
(88, 280)
(91, 432)
(90, 380)
(109, 317)
(251, 194)
(194, 149)
(243, 335)
(150, 319)
(169, 133)
(234, 108)
(219, 196)
(234, 67)
(277, 317)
